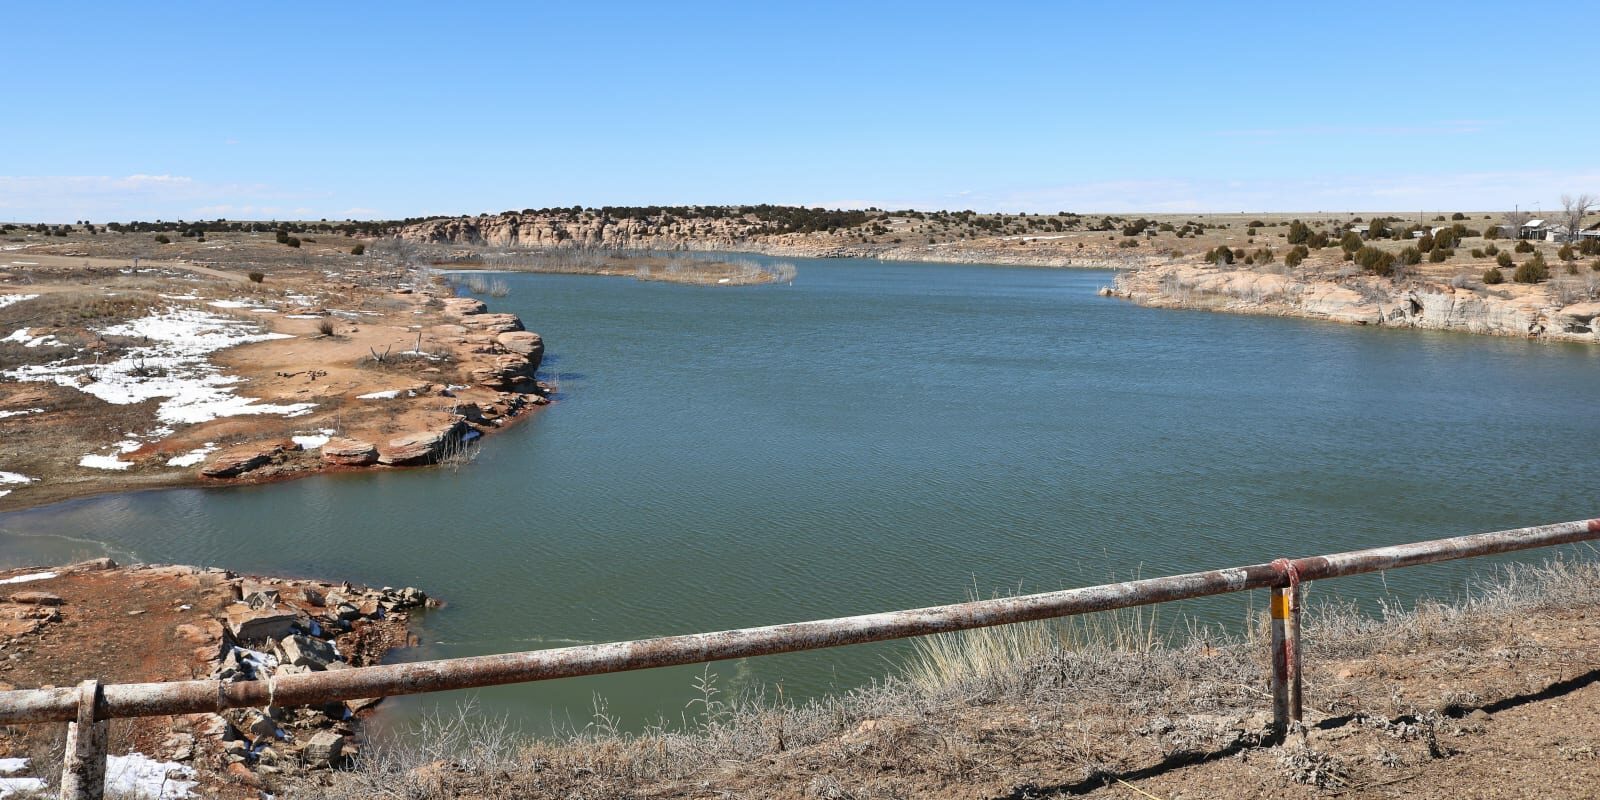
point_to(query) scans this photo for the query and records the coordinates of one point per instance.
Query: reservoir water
(886, 435)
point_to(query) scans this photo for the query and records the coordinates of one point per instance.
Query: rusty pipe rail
(187, 697)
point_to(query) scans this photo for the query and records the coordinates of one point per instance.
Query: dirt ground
(351, 326)
(63, 625)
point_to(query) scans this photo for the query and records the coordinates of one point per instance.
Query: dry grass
(964, 707)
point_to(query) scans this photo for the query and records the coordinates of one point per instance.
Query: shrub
(1493, 275)
(1426, 243)
(1262, 256)
(1318, 240)
(1589, 246)
(1491, 232)
(1410, 255)
(1375, 261)
(161, 238)
(325, 327)
(358, 250)
(1219, 256)
(1491, 250)
(1477, 252)
(1299, 232)
(1595, 265)
(1503, 259)
(1533, 270)
(1566, 253)
(1439, 255)
(1458, 216)
(256, 277)
(1524, 246)
(1293, 258)
(1447, 239)
(282, 236)
(1351, 242)
(292, 242)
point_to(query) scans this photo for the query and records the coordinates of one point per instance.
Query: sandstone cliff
(1510, 310)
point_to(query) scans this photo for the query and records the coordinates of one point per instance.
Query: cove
(885, 435)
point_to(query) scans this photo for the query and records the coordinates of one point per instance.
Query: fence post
(1279, 608)
(83, 770)
(1292, 654)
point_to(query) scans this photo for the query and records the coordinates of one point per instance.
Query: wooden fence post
(83, 771)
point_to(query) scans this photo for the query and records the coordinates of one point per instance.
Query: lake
(887, 435)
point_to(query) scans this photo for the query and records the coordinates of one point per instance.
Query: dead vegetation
(1102, 705)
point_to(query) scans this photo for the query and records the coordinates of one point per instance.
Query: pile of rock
(267, 633)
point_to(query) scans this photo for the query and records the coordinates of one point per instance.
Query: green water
(883, 435)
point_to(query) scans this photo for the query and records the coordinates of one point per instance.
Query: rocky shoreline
(1520, 311)
(156, 622)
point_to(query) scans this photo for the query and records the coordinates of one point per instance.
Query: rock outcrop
(236, 461)
(1531, 311)
(423, 447)
(347, 452)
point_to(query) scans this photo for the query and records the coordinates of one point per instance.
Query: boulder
(248, 624)
(304, 651)
(526, 343)
(504, 370)
(236, 461)
(323, 748)
(37, 598)
(424, 447)
(347, 452)
(493, 323)
(463, 306)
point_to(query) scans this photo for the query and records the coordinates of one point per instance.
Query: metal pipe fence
(87, 707)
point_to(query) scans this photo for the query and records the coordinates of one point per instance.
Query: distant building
(1533, 229)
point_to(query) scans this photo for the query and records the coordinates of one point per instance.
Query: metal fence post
(1292, 654)
(1279, 606)
(83, 770)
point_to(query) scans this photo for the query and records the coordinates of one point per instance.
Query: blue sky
(125, 111)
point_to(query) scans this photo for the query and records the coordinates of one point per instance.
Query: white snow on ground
(386, 395)
(32, 576)
(312, 442)
(103, 462)
(22, 336)
(12, 299)
(12, 477)
(4, 414)
(193, 457)
(140, 776)
(171, 365)
(230, 304)
(302, 316)
(181, 296)
(14, 785)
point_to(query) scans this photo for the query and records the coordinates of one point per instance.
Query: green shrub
(1493, 275)
(1566, 253)
(1477, 252)
(1491, 232)
(1491, 250)
(256, 277)
(358, 250)
(1458, 216)
(161, 238)
(1524, 246)
(1351, 242)
(1439, 254)
(1503, 259)
(1317, 241)
(292, 242)
(1293, 258)
(1410, 255)
(1425, 244)
(1533, 270)
(1375, 261)
(1299, 232)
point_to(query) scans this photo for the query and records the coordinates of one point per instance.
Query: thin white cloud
(105, 198)
(1463, 191)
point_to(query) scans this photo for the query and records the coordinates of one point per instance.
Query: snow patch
(103, 462)
(12, 477)
(4, 414)
(11, 786)
(313, 441)
(32, 576)
(13, 299)
(22, 336)
(193, 457)
(181, 296)
(141, 776)
(171, 365)
(385, 395)
(230, 304)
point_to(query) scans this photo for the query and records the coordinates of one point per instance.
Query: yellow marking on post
(1280, 605)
